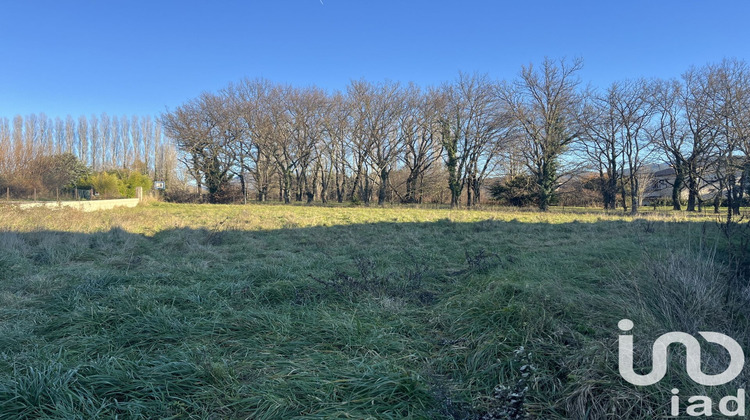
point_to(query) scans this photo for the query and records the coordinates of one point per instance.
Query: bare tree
(336, 146)
(147, 144)
(126, 146)
(107, 140)
(45, 139)
(82, 134)
(136, 143)
(378, 107)
(421, 130)
(474, 130)
(5, 147)
(731, 102)
(59, 136)
(116, 151)
(251, 102)
(282, 134)
(70, 134)
(306, 109)
(633, 112)
(545, 106)
(19, 152)
(31, 136)
(601, 143)
(96, 143)
(199, 130)
(686, 132)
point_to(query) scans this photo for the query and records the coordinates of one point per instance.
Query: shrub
(106, 184)
(181, 194)
(61, 171)
(133, 179)
(117, 183)
(516, 191)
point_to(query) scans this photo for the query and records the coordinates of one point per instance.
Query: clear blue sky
(142, 57)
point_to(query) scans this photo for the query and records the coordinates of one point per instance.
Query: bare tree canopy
(545, 105)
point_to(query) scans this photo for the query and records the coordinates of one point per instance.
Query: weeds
(680, 290)
(408, 286)
(736, 233)
(649, 226)
(183, 311)
(507, 403)
(481, 261)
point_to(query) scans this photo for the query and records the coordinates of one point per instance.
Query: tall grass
(264, 311)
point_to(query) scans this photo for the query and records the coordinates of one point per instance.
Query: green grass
(269, 311)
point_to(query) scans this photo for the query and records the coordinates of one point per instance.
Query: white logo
(699, 405)
(692, 362)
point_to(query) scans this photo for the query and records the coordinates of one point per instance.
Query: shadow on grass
(384, 320)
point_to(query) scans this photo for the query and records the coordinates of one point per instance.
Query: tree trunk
(366, 191)
(477, 192)
(545, 184)
(300, 181)
(287, 186)
(634, 202)
(324, 191)
(243, 188)
(692, 192)
(450, 143)
(411, 182)
(677, 190)
(384, 173)
(608, 190)
(740, 189)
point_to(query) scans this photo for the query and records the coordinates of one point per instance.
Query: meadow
(279, 312)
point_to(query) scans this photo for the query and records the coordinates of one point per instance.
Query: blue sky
(143, 57)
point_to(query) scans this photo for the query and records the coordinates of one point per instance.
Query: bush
(133, 179)
(61, 171)
(118, 183)
(181, 194)
(106, 184)
(516, 191)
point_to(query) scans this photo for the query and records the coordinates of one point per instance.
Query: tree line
(529, 140)
(699, 124)
(375, 141)
(395, 142)
(39, 153)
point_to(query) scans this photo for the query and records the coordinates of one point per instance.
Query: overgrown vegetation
(59, 176)
(117, 183)
(269, 311)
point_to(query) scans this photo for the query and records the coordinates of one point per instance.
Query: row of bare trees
(384, 141)
(699, 124)
(99, 141)
(394, 142)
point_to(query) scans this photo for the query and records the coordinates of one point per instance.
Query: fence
(76, 194)
(84, 200)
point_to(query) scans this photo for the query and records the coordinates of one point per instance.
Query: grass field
(268, 311)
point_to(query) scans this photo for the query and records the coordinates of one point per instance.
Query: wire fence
(10, 195)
